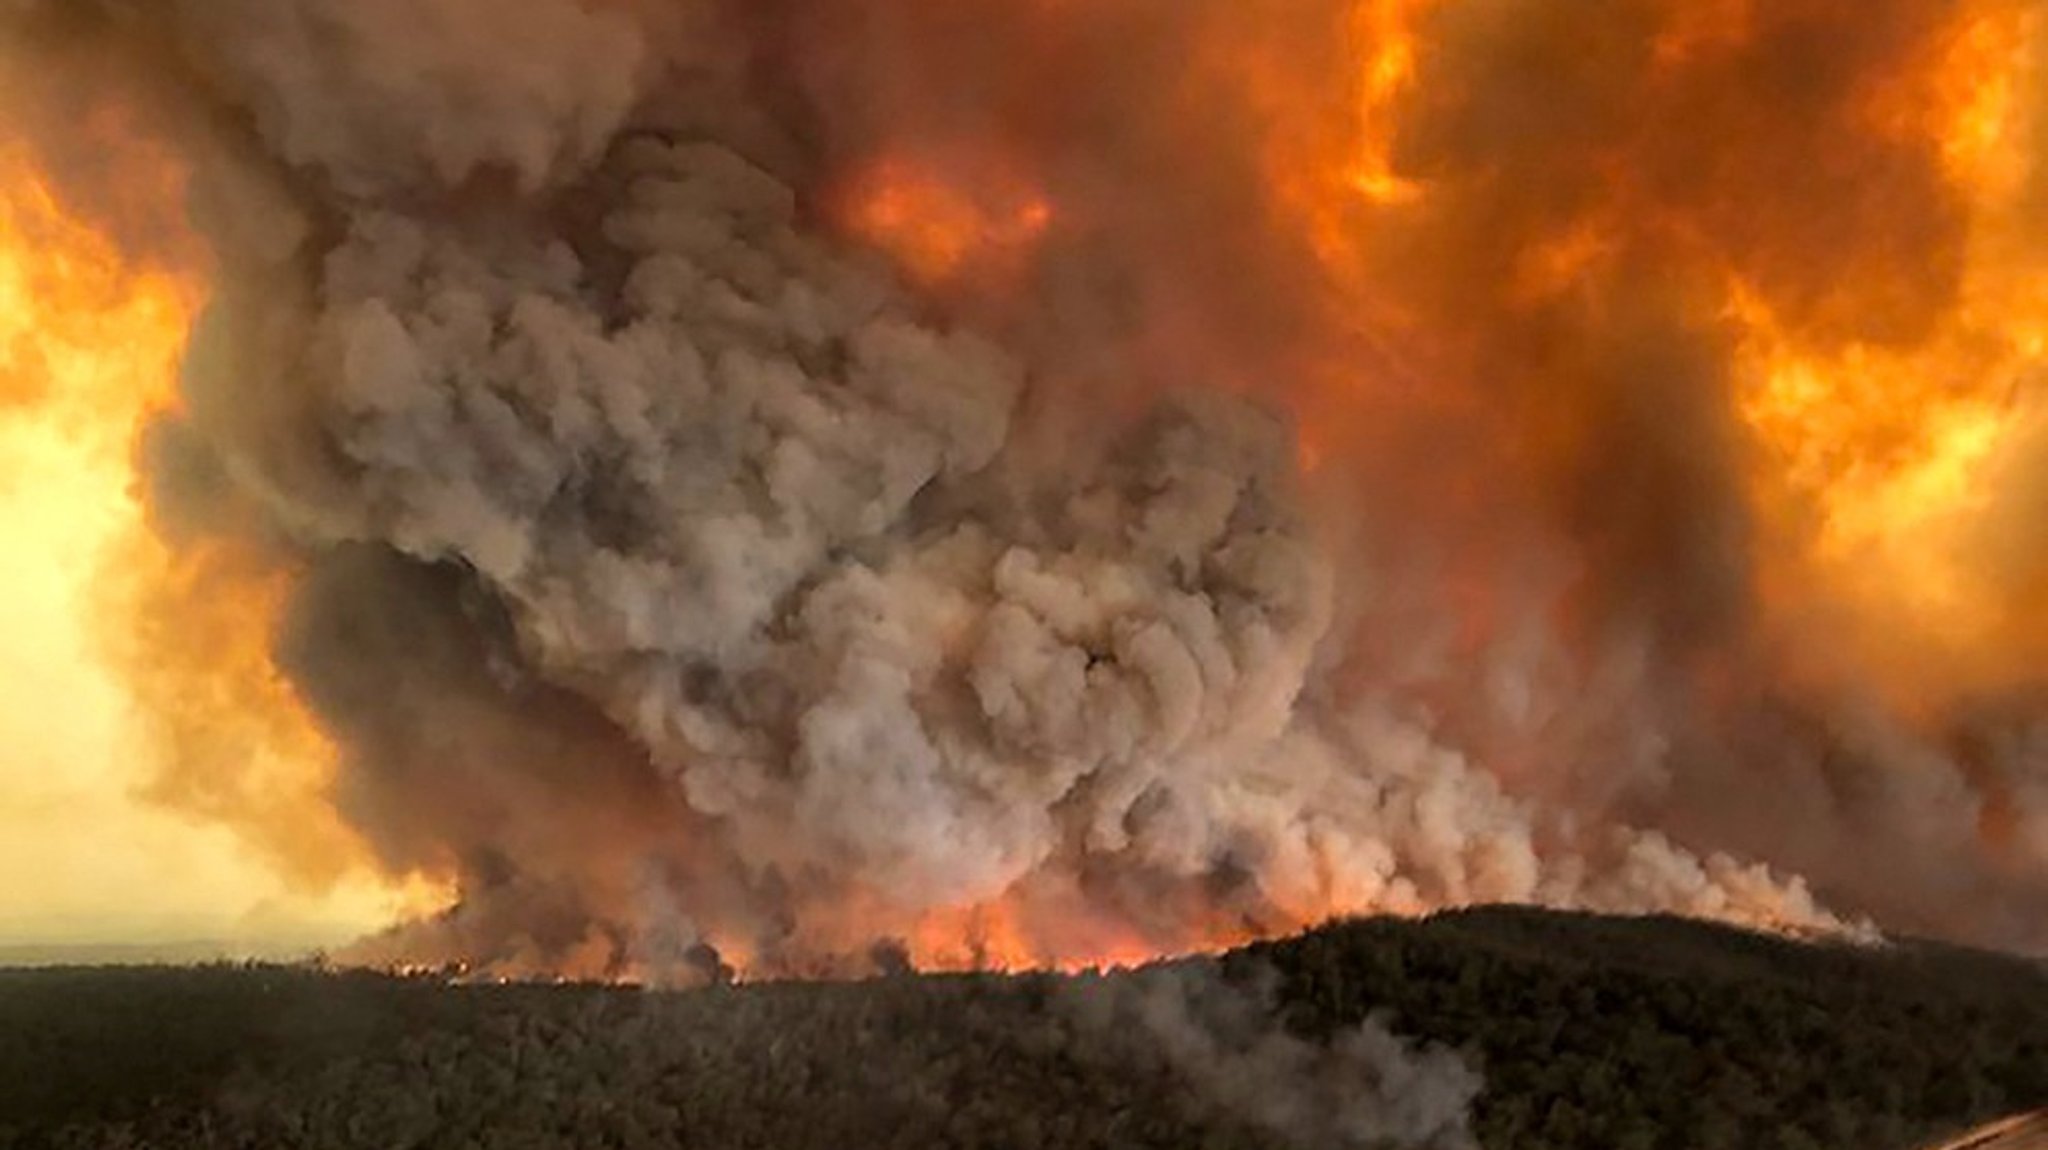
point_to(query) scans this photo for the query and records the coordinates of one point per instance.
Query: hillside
(1587, 1032)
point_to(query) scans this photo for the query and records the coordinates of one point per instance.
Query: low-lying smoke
(1363, 1087)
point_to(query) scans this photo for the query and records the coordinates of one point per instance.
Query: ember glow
(936, 231)
(1889, 459)
(1059, 484)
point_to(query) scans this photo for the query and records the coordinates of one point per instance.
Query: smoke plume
(1049, 483)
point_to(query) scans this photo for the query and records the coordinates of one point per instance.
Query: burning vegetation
(1014, 485)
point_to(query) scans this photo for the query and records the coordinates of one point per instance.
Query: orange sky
(81, 859)
(87, 347)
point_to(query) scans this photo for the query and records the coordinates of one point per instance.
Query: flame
(1877, 465)
(1035, 928)
(1385, 32)
(1046, 921)
(1335, 174)
(240, 748)
(936, 230)
(130, 652)
(1888, 458)
(1878, 468)
(63, 293)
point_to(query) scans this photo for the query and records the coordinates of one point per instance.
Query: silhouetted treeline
(1633, 1034)
(267, 1059)
(1589, 1033)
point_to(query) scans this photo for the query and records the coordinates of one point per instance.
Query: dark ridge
(1605, 1033)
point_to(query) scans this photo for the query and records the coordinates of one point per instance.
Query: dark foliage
(1594, 1033)
(267, 1058)
(1663, 1032)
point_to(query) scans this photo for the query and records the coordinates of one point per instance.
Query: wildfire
(1875, 467)
(1878, 464)
(1632, 355)
(1385, 31)
(63, 293)
(935, 229)
(1028, 930)
(1890, 456)
(119, 632)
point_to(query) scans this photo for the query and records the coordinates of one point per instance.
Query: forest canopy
(1516, 1029)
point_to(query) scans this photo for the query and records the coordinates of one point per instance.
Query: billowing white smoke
(736, 506)
(502, 293)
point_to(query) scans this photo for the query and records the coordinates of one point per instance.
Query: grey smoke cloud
(388, 96)
(675, 575)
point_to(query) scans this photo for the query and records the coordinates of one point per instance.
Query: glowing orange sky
(87, 348)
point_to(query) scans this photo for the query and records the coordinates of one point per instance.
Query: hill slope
(1588, 1033)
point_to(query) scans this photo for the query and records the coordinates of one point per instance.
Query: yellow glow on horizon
(81, 858)
(88, 352)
